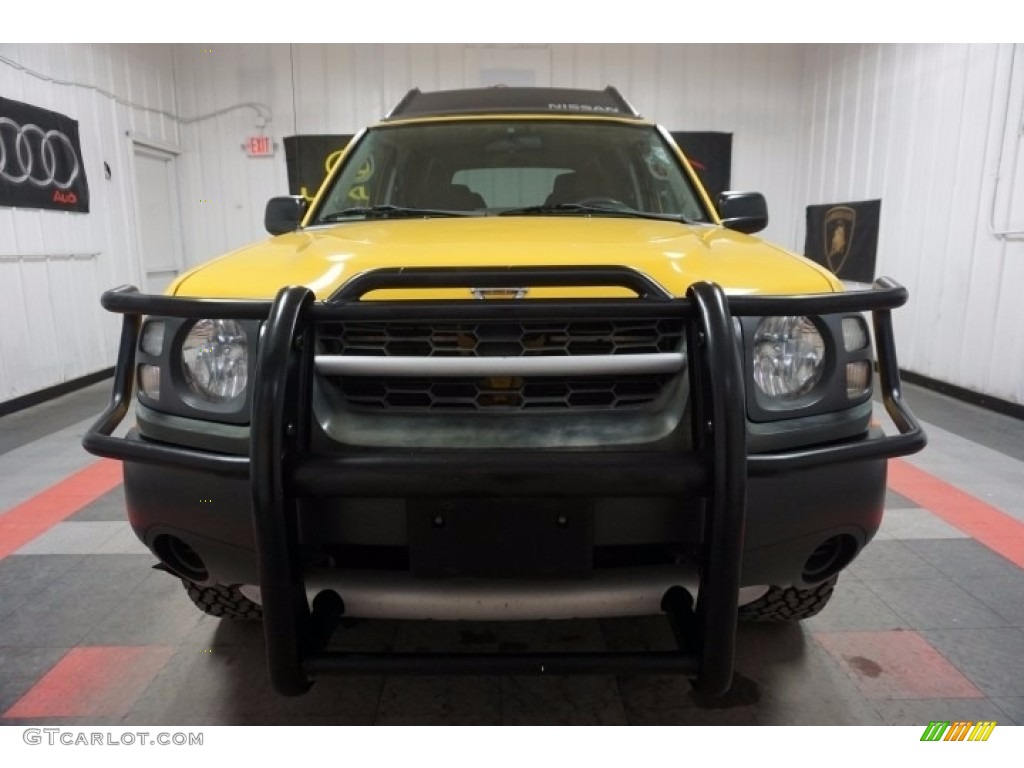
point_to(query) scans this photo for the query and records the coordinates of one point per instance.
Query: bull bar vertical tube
(725, 517)
(286, 615)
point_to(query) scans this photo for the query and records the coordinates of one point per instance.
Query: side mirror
(283, 214)
(743, 211)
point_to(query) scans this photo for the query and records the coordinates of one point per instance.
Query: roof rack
(470, 101)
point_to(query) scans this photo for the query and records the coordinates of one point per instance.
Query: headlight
(789, 356)
(215, 360)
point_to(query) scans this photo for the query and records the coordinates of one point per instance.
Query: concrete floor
(927, 624)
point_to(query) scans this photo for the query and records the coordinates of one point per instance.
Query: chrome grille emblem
(498, 293)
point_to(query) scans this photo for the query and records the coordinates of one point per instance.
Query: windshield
(511, 167)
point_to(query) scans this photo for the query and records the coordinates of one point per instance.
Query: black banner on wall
(710, 154)
(307, 158)
(844, 238)
(40, 159)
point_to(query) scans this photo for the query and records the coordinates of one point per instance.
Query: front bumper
(788, 514)
(735, 495)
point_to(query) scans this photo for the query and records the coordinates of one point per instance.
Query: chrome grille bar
(567, 365)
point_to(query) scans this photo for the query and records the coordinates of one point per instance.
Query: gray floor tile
(894, 500)
(981, 425)
(646, 693)
(854, 606)
(570, 636)
(232, 683)
(1005, 596)
(916, 524)
(11, 603)
(72, 722)
(211, 632)
(766, 644)
(340, 696)
(32, 574)
(84, 538)
(637, 633)
(920, 712)
(157, 612)
(195, 683)
(592, 700)
(656, 692)
(440, 718)
(57, 619)
(124, 542)
(449, 636)
(821, 710)
(363, 635)
(963, 559)
(447, 698)
(984, 473)
(110, 507)
(693, 716)
(891, 560)
(30, 424)
(1013, 708)
(65, 612)
(247, 718)
(21, 668)
(789, 671)
(934, 604)
(993, 659)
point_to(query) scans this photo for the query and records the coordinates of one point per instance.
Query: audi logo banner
(40, 159)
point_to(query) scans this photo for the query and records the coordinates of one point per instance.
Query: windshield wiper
(387, 211)
(570, 208)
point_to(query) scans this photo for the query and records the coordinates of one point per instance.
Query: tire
(789, 603)
(222, 602)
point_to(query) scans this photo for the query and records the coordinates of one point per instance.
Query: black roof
(471, 101)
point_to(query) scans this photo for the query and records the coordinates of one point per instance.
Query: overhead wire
(262, 110)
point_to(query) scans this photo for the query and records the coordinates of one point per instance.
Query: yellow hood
(673, 255)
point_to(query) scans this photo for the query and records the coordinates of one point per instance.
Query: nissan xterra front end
(510, 363)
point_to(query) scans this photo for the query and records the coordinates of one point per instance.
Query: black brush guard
(282, 469)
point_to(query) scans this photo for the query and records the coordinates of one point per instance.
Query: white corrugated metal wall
(53, 264)
(922, 127)
(752, 91)
(929, 129)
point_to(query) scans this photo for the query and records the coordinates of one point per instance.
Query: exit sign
(259, 146)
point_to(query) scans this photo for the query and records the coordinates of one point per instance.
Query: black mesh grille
(598, 337)
(493, 339)
(507, 393)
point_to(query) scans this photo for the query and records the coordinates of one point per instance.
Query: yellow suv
(510, 363)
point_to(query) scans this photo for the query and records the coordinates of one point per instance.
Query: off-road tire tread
(789, 603)
(222, 602)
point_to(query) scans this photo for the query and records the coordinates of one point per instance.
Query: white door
(159, 222)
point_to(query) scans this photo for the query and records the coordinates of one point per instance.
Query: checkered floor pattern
(927, 624)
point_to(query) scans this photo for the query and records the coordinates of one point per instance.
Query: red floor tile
(22, 523)
(898, 664)
(992, 527)
(101, 681)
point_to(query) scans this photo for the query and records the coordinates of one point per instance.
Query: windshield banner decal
(710, 154)
(309, 158)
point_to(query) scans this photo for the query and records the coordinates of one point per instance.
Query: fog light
(858, 379)
(855, 335)
(149, 381)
